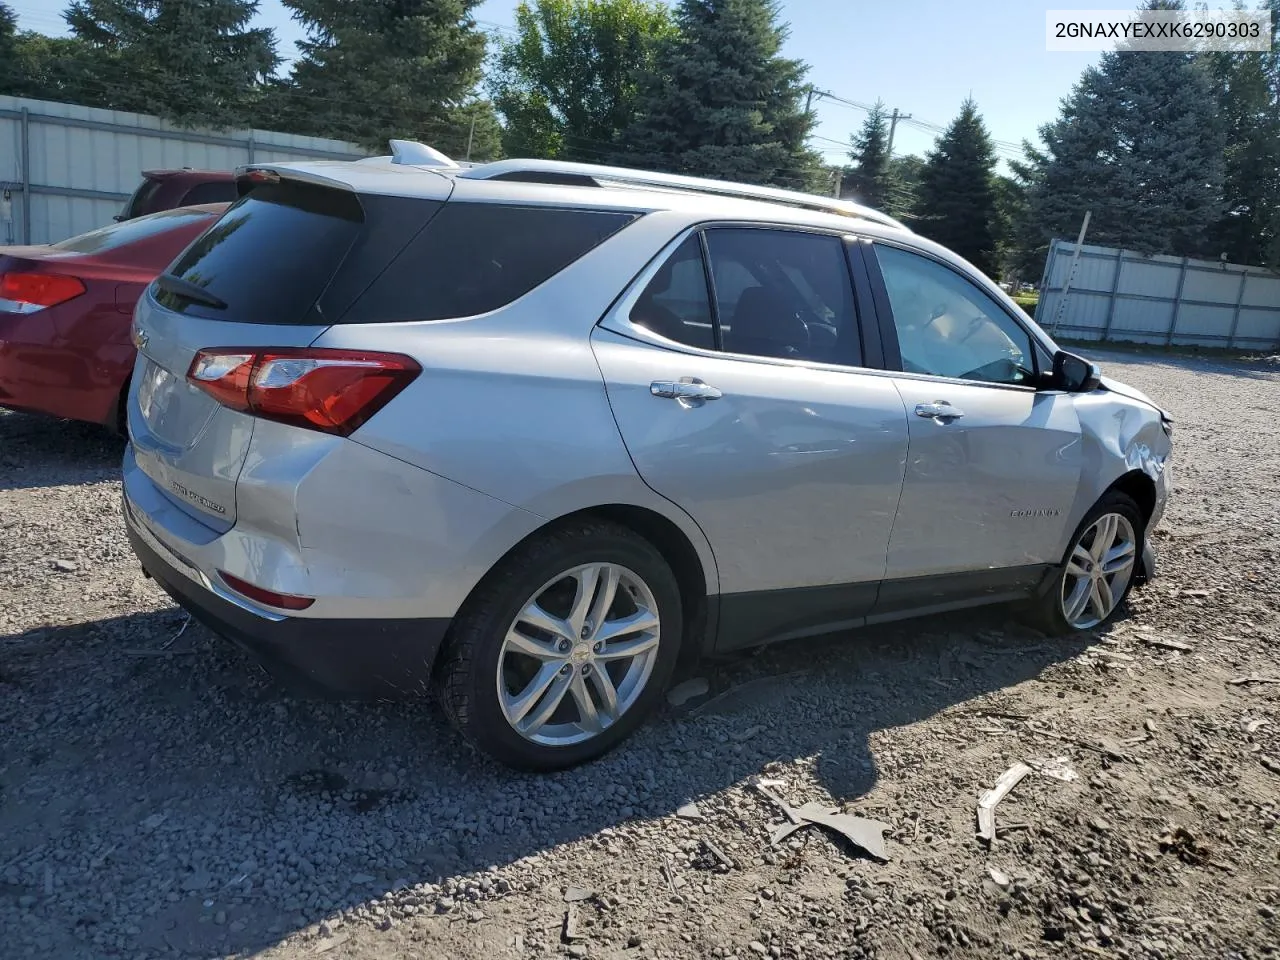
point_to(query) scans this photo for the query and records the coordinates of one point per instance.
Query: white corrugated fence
(67, 169)
(1114, 294)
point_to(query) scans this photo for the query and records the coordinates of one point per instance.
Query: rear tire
(564, 648)
(1098, 570)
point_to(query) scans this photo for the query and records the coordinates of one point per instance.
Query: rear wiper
(189, 291)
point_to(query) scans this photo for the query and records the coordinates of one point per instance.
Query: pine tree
(566, 82)
(195, 62)
(1248, 89)
(722, 102)
(371, 71)
(870, 180)
(1138, 143)
(903, 177)
(956, 205)
(8, 43)
(1251, 160)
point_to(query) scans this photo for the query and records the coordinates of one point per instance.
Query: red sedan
(65, 310)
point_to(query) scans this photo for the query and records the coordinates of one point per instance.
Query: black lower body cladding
(368, 659)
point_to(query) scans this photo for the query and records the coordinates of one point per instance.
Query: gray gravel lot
(172, 801)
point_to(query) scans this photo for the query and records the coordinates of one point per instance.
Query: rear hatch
(273, 271)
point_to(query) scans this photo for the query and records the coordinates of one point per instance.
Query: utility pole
(1071, 274)
(808, 101)
(893, 125)
(471, 136)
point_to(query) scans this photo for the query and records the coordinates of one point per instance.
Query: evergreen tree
(903, 181)
(1251, 160)
(722, 102)
(8, 47)
(956, 205)
(1139, 143)
(479, 143)
(1248, 88)
(870, 180)
(195, 62)
(372, 71)
(1011, 213)
(566, 83)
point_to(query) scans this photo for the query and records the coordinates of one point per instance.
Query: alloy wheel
(1098, 571)
(578, 654)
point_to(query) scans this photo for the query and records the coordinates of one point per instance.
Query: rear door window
(675, 303)
(271, 255)
(476, 257)
(788, 294)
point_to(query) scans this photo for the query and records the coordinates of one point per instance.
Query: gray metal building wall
(69, 169)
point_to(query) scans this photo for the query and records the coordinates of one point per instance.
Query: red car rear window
(130, 231)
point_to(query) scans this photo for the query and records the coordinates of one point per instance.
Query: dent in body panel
(516, 414)
(991, 489)
(793, 474)
(411, 544)
(1121, 435)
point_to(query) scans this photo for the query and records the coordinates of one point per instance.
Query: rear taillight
(29, 292)
(333, 391)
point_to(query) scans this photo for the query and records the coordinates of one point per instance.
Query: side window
(212, 191)
(675, 304)
(471, 258)
(789, 294)
(948, 327)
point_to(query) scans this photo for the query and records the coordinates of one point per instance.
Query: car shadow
(40, 451)
(247, 815)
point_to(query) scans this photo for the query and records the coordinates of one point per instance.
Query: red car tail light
(285, 601)
(29, 292)
(333, 391)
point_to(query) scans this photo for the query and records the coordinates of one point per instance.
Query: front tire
(1098, 570)
(564, 648)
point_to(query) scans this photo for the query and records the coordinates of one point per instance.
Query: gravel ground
(160, 797)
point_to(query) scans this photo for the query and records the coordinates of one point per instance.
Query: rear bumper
(358, 658)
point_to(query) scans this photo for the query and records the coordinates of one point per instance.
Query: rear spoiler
(359, 176)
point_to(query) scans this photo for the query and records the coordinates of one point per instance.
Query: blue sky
(922, 56)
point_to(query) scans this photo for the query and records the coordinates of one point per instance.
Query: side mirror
(1075, 374)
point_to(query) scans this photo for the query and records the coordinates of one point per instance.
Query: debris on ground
(689, 811)
(1057, 767)
(988, 801)
(863, 833)
(1165, 644)
(683, 692)
(1253, 678)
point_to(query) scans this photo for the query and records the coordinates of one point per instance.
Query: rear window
(141, 198)
(271, 255)
(476, 257)
(214, 191)
(129, 231)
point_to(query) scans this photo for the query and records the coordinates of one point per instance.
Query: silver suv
(535, 432)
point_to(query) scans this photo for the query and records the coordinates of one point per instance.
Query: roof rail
(590, 174)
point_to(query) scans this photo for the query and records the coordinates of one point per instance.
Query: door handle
(940, 411)
(685, 389)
